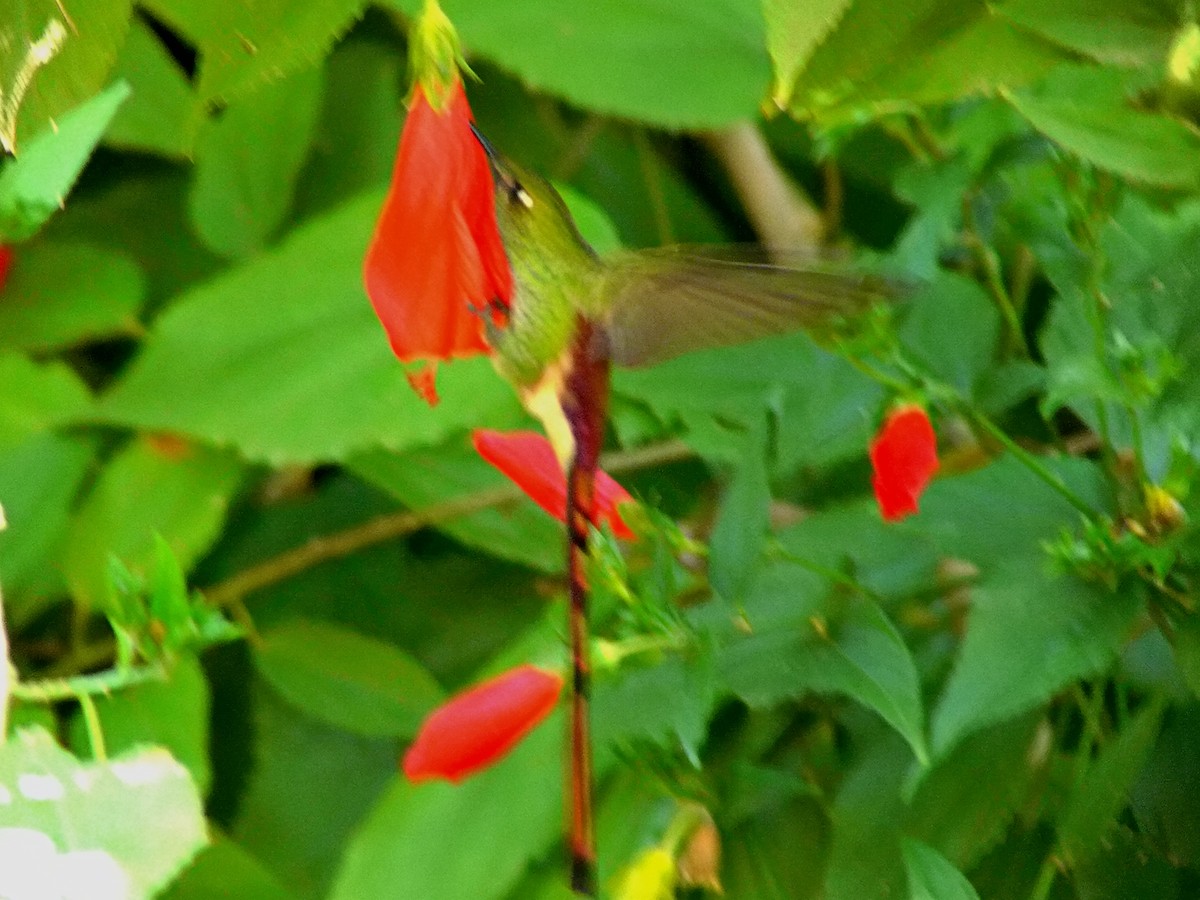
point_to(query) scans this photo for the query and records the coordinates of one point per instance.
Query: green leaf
(671, 701)
(777, 854)
(864, 853)
(1125, 33)
(167, 598)
(164, 113)
(1129, 865)
(593, 222)
(34, 185)
(1030, 633)
(740, 532)
(440, 841)
(655, 61)
(794, 30)
(348, 680)
(858, 653)
(1186, 646)
(421, 479)
(153, 486)
(302, 371)
(159, 828)
(952, 49)
(245, 45)
(951, 329)
(889, 559)
(35, 397)
(936, 190)
(960, 513)
(69, 293)
(1087, 114)
(143, 215)
(308, 790)
(933, 877)
(1097, 799)
(91, 34)
(965, 816)
(247, 162)
(225, 868)
(39, 479)
(173, 714)
(735, 384)
(1165, 796)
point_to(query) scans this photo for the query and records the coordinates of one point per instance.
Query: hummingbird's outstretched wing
(667, 302)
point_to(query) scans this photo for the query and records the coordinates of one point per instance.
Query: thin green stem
(1029, 460)
(1090, 708)
(1045, 879)
(837, 577)
(654, 188)
(52, 690)
(8, 673)
(989, 262)
(896, 385)
(91, 719)
(611, 654)
(1135, 438)
(241, 615)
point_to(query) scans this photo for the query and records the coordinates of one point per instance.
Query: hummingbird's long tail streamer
(580, 491)
(584, 403)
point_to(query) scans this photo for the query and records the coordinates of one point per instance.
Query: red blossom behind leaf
(436, 259)
(528, 459)
(904, 459)
(476, 728)
(6, 257)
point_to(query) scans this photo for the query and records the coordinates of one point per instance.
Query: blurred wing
(672, 301)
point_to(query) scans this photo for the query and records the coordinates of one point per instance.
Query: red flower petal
(527, 458)
(436, 256)
(904, 459)
(6, 256)
(424, 382)
(479, 726)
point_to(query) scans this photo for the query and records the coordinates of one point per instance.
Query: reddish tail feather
(585, 403)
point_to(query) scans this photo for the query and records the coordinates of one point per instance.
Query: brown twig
(393, 525)
(783, 218)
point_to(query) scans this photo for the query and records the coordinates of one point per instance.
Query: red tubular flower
(436, 263)
(478, 727)
(904, 459)
(6, 256)
(527, 458)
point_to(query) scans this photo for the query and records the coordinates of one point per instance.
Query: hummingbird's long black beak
(492, 156)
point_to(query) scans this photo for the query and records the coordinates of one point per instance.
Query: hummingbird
(572, 316)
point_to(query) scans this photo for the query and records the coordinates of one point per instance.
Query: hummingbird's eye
(520, 195)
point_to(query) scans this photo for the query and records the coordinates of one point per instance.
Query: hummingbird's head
(529, 212)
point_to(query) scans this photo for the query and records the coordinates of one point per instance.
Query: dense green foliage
(243, 560)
